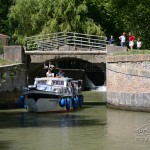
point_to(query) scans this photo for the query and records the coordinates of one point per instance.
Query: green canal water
(94, 127)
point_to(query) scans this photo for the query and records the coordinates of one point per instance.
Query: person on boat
(60, 74)
(79, 86)
(73, 89)
(49, 73)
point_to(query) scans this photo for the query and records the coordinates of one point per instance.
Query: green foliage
(132, 16)
(52, 16)
(5, 62)
(1, 47)
(3, 77)
(4, 9)
(1, 50)
(109, 17)
(13, 71)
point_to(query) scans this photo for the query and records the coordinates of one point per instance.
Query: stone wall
(14, 53)
(4, 39)
(128, 82)
(12, 80)
(90, 55)
(111, 49)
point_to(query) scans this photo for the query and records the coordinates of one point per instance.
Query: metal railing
(56, 40)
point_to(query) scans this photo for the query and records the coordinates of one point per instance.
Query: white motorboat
(54, 95)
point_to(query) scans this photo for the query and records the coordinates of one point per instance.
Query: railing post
(89, 40)
(74, 39)
(51, 44)
(26, 45)
(43, 45)
(65, 40)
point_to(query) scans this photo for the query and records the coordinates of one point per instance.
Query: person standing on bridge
(131, 40)
(123, 39)
(139, 43)
(111, 40)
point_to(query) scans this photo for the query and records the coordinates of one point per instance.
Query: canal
(94, 127)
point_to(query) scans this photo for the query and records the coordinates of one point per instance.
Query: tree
(4, 9)
(131, 16)
(112, 17)
(31, 17)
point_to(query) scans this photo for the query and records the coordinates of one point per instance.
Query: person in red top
(131, 40)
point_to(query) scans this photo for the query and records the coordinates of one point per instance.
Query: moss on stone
(5, 62)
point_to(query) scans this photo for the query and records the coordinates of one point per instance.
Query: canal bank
(13, 75)
(12, 80)
(128, 82)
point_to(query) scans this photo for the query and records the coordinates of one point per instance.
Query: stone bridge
(68, 52)
(62, 45)
(71, 51)
(86, 47)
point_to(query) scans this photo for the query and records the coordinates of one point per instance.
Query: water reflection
(5, 145)
(53, 120)
(22, 130)
(93, 127)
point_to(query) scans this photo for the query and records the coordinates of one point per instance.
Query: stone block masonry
(115, 49)
(14, 53)
(12, 80)
(128, 82)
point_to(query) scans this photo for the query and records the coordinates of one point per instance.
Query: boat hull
(45, 105)
(39, 101)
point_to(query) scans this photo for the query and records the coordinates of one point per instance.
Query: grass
(5, 62)
(134, 51)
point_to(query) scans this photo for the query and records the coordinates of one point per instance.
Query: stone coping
(10, 65)
(128, 58)
(97, 52)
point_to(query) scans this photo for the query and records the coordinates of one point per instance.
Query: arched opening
(92, 74)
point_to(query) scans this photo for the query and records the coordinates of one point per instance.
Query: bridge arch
(76, 68)
(86, 56)
(78, 52)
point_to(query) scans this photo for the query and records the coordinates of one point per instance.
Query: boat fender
(77, 101)
(74, 103)
(80, 100)
(68, 103)
(25, 104)
(62, 102)
(21, 101)
(77, 98)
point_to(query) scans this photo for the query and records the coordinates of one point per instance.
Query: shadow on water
(5, 145)
(54, 120)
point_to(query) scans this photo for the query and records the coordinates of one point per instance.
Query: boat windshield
(57, 82)
(62, 82)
